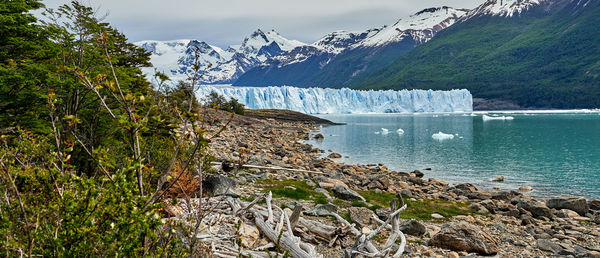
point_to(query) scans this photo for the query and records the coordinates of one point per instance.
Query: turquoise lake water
(555, 153)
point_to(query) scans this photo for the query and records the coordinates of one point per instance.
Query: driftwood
(285, 239)
(363, 245)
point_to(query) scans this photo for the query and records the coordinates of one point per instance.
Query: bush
(214, 100)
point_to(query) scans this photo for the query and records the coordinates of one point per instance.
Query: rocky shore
(441, 220)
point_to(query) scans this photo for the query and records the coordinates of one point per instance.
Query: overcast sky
(226, 22)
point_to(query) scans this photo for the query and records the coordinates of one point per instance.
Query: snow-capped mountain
(175, 58)
(344, 55)
(271, 50)
(506, 8)
(421, 26)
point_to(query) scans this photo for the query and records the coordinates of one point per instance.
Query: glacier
(344, 101)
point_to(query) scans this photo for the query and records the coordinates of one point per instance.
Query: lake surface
(555, 153)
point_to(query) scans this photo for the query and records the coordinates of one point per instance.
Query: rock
(594, 204)
(360, 215)
(310, 183)
(525, 188)
(479, 208)
(383, 213)
(407, 192)
(318, 137)
(463, 236)
(324, 192)
(566, 213)
(574, 203)
(329, 183)
(322, 210)
(334, 156)
(480, 195)
(248, 234)
(216, 185)
(527, 220)
(413, 228)
(437, 216)
(594, 254)
(537, 209)
(498, 179)
(466, 187)
(292, 205)
(417, 173)
(346, 194)
(548, 246)
(501, 195)
(453, 255)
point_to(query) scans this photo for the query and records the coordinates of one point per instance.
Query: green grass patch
(420, 209)
(280, 188)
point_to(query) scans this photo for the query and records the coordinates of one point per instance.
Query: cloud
(227, 22)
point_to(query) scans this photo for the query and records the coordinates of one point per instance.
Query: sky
(228, 22)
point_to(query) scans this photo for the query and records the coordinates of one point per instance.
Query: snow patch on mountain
(505, 8)
(421, 26)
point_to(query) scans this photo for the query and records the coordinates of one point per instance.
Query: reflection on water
(553, 153)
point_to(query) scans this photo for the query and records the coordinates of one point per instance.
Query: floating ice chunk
(442, 136)
(384, 131)
(487, 118)
(400, 131)
(377, 132)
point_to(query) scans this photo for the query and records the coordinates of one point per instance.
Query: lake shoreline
(514, 222)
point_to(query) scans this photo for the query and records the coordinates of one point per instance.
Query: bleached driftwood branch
(363, 245)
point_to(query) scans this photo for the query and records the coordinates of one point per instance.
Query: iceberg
(384, 131)
(400, 131)
(487, 118)
(442, 136)
(344, 101)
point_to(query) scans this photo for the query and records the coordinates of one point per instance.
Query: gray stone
(501, 195)
(292, 205)
(347, 194)
(413, 228)
(216, 185)
(479, 195)
(548, 246)
(322, 210)
(360, 215)
(318, 137)
(383, 213)
(594, 204)
(466, 237)
(537, 209)
(574, 203)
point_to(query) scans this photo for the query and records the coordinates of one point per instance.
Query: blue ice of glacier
(343, 101)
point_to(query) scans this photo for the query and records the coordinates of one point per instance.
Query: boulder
(574, 203)
(594, 204)
(322, 210)
(548, 246)
(318, 137)
(480, 195)
(216, 185)
(334, 156)
(498, 179)
(360, 215)
(566, 213)
(537, 209)
(501, 195)
(346, 194)
(463, 236)
(383, 213)
(413, 228)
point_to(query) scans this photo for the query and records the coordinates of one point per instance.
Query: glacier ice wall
(341, 101)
